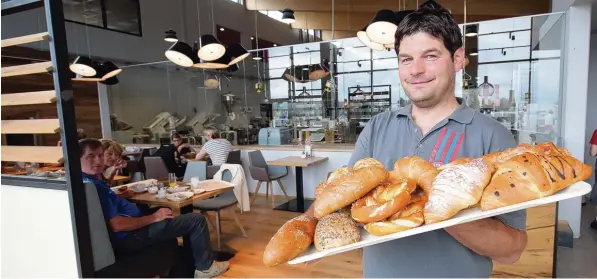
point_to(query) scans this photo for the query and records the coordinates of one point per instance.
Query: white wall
(157, 16)
(37, 234)
(591, 101)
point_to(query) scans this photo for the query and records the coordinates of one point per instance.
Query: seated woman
(215, 147)
(113, 161)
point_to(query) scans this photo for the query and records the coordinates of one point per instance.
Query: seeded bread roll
(335, 230)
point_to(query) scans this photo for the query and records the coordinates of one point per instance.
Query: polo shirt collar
(463, 114)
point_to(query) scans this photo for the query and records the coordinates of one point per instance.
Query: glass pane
(504, 77)
(276, 73)
(359, 66)
(355, 54)
(513, 39)
(348, 82)
(279, 62)
(278, 88)
(306, 47)
(307, 58)
(504, 25)
(86, 12)
(385, 54)
(123, 15)
(390, 81)
(388, 63)
(506, 54)
(279, 51)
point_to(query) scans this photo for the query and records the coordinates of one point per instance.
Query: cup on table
(172, 180)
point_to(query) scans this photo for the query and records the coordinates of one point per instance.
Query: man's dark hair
(176, 136)
(85, 144)
(433, 20)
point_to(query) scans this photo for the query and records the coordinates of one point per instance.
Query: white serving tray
(575, 190)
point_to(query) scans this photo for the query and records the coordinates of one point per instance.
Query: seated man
(132, 231)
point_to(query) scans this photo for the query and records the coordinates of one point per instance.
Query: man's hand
(162, 213)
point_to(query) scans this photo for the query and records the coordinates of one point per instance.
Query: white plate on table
(575, 190)
(180, 196)
(178, 189)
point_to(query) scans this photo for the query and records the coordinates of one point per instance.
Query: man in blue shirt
(132, 230)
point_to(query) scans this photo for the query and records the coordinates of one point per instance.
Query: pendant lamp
(210, 48)
(110, 81)
(180, 54)
(362, 35)
(388, 46)
(471, 30)
(221, 63)
(474, 52)
(83, 66)
(232, 68)
(237, 53)
(170, 36)
(110, 70)
(287, 16)
(383, 27)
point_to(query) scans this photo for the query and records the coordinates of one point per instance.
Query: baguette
(292, 239)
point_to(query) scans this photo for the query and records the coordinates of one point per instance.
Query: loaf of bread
(336, 230)
(455, 188)
(531, 176)
(416, 169)
(408, 218)
(349, 187)
(292, 239)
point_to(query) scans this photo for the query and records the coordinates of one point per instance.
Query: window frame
(105, 20)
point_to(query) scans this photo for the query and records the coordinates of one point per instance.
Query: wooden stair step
(29, 98)
(31, 126)
(27, 69)
(35, 154)
(25, 39)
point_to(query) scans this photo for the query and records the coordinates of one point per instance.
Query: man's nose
(417, 67)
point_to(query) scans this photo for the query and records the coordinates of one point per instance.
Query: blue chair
(261, 172)
(224, 201)
(195, 169)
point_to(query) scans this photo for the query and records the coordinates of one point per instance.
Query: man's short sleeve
(594, 138)
(501, 140)
(363, 147)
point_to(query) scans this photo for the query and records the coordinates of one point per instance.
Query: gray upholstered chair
(195, 169)
(233, 158)
(155, 168)
(261, 172)
(225, 201)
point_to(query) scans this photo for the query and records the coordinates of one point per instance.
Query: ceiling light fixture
(472, 30)
(287, 16)
(383, 27)
(362, 35)
(110, 70)
(83, 66)
(210, 48)
(181, 54)
(236, 52)
(222, 29)
(474, 52)
(171, 36)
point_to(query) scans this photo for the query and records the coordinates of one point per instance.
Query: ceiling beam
(326, 35)
(355, 21)
(477, 7)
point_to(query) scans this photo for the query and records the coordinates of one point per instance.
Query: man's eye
(405, 60)
(431, 57)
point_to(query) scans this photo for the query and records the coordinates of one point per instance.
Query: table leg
(299, 204)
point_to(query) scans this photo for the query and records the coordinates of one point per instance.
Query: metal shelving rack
(363, 104)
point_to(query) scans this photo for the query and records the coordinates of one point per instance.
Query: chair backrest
(155, 168)
(195, 169)
(101, 247)
(234, 157)
(227, 176)
(256, 159)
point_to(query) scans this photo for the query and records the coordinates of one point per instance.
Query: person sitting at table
(181, 147)
(216, 148)
(113, 161)
(131, 230)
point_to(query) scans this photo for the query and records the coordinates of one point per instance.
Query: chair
(233, 158)
(155, 168)
(195, 169)
(150, 262)
(261, 172)
(224, 201)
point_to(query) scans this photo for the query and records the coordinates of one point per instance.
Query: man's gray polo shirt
(390, 136)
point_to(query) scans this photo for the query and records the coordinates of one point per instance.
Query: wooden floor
(262, 222)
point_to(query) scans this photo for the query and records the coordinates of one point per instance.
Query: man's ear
(458, 60)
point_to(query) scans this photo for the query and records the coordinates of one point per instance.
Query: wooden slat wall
(86, 98)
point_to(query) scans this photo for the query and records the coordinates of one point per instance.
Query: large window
(117, 15)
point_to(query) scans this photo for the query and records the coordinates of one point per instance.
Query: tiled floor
(580, 261)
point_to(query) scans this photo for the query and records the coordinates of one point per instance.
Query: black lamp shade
(210, 48)
(471, 30)
(288, 16)
(232, 68)
(170, 36)
(221, 63)
(383, 27)
(237, 53)
(83, 66)
(110, 69)
(110, 81)
(474, 52)
(180, 54)
(362, 35)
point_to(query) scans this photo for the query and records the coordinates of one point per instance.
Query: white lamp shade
(362, 35)
(179, 58)
(382, 32)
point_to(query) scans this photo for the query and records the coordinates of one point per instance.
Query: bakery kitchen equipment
(275, 136)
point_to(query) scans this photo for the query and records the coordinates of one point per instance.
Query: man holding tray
(439, 127)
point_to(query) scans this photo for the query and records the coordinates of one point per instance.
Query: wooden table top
(121, 178)
(151, 199)
(297, 161)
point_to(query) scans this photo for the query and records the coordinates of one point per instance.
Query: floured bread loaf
(335, 230)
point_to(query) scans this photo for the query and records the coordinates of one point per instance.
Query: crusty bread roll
(410, 217)
(455, 188)
(416, 169)
(531, 176)
(383, 202)
(499, 157)
(348, 187)
(293, 238)
(336, 230)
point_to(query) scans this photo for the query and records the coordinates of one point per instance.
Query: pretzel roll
(347, 188)
(367, 162)
(416, 169)
(338, 173)
(410, 217)
(383, 201)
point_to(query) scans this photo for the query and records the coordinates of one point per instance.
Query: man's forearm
(125, 224)
(491, 238)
